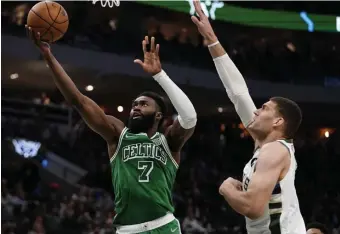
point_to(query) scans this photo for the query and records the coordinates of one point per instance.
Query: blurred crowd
(267, 54)
(216, 151)
(31, 203)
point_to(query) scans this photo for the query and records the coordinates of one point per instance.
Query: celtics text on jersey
(143, 174)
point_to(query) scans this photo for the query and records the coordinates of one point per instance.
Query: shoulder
(117, 126)
(273, 153)
(117, 123)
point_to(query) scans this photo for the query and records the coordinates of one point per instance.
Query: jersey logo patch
(174, 229)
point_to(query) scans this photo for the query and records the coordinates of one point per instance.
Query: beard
(141, 124)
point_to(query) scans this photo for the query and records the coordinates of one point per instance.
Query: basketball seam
(40, 17)
(60, 22)
(54, 21)
(51, 25)
(48, 11)
(46, 21)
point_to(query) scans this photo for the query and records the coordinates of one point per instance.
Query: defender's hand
(203, 24)
(44, 47)
(151, 64)
(230, 183)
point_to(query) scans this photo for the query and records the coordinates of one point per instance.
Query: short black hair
(158, 99)
(291, 113)
(319, 226)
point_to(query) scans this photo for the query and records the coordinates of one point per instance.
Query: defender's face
(265, 118)
(142, 114)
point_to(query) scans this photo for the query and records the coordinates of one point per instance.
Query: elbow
(253, 212)
(78, 101)
(189, 121)
(239, 95)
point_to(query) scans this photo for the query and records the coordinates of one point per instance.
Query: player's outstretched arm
(183, 127)
(230, 76)
(107, 126)
(269, 171)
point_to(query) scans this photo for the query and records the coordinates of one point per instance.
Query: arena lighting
(220, 109)
(89, 88)
(291, 47)
(327, 134)
(120, 109)
(14, 76)
(25, 148)
(44, 163)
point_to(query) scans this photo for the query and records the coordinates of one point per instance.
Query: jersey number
(147, 167)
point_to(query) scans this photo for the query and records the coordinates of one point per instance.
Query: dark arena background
(56, 176)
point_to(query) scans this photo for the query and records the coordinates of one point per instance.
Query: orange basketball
(49, 19)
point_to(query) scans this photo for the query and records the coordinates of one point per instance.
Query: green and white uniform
(143, 174)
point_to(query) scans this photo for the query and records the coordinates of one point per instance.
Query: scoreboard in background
(219, 10)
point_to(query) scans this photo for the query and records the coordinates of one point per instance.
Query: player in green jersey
(144, 162)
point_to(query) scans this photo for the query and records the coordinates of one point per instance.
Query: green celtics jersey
(143, 174)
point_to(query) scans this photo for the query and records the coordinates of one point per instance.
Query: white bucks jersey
(282, 213)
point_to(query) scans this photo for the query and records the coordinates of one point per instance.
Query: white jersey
(282, 214)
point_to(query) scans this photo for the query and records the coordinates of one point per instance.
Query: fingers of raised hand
(195, 20)
(152, 47)
(33, 35)
(157, 50)
(198, 9)
(144, 46)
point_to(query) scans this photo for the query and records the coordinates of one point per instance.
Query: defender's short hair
(290, 112)
(319, 226)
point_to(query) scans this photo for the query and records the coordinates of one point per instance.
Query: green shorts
(172, 228)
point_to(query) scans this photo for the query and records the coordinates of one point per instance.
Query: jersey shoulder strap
(167, 149)
(289, 145)
(122, 134)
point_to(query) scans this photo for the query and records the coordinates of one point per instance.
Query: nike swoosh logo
(173, 230)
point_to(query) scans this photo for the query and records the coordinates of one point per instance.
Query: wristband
(213, 44)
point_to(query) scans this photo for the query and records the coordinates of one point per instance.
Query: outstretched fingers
(144, 46)
(35, 37)
(153, 46)
(157, 50)
(198, 9)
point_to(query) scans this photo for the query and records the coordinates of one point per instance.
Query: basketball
(49, 19)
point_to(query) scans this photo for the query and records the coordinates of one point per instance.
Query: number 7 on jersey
(147, 167)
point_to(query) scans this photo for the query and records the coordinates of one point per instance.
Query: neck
(152, 131)
(271, 137)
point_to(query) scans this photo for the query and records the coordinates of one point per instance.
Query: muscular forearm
(234, 83)
(236, 200)
(186, 111)
(63, 81)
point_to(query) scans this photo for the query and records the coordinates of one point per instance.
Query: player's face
(266, 118)
(314, 231)
(142, 114)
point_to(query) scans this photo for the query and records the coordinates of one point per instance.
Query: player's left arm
(184, 125)
(271, 164)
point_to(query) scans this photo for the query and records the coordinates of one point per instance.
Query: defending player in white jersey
(267, 196)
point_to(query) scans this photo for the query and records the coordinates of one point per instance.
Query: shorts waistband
(147, 226)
